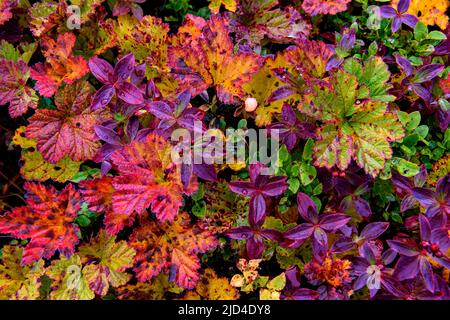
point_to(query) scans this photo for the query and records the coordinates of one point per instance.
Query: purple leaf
(281, 93)
(387, 12)
(407, 203)
(424, 196)
(403, 6)
(333, 62)
(421, 92)
(129, 93)
(403, 248)
(205, 171)
(275, 187)
(242, 187)
(362, 207)
(427, 272)
(410, 20)
(240, 233)
(331, 222)
(300, 232)
(396, 24)
(320, 236)
(307, 208)
(407, 267)
(271, 234)
(428, 72)
(404, 64)
(102, 97)
(108, 135)
(255, 247)
(374, 230)
(425, 229)
(161, 110)
(124, 67)
(257, 210)
(389, 256)
(305, 294)
(101, 70)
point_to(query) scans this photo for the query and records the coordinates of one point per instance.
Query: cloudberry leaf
(69, 280)
(5, 10)
(113, 258)
(46, 15)
(46, 220)
(13, 88)
(353, 129)
(315, 7)
(60, 66)
(172, 248)
(210, 61)
(35, 167)
(255, 20)
(147, 39)
(147, 178)
(17, 281)
(213, 287)
(69, 130)
(214, 5)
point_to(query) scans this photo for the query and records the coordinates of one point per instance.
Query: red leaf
(47, 221)
(69, 130)
(170, 248)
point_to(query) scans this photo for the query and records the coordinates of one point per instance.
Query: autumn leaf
(210, 61)
(35, 167)
(147, 178)
(14, 89)
(47, 220)
(353, 129)
(315, 7)
(45, 15)
(112, 257)
(5, 10)
(68, 130)
(214, 5)
(69, 280)
(147, 39)
(303, 61)
(17, 281)
(170, 247)
(60, 66)
(155, 289)
(256, 20)
(213, 287)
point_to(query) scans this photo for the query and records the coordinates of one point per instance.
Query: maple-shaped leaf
(68, 130)
(315, 7)
(155, 289)
(353, 129)
(146, 39)
(13, 88)
(60, 66)
(98, 195)
(17, 281)
(34, 167)
(214, 5)
(172, 248)
(212, 287)
(24, 51)
(373, 74)
(147, 178)
(5, 9)
(210, 61)
(255, 20)
(69, 280)
(47, 220)
(108, 261)
(45, 15)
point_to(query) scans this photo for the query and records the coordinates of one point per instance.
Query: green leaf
(294, 184)
(373, 48)
(406, 168)
(307, 173)
(420, 31)
(436, 35)
(414, 121)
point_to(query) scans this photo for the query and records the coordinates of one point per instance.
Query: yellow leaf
(35, 167)
(17, 281)
(214, 5)
(212, 287)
